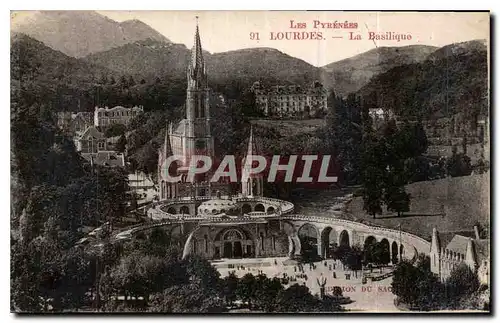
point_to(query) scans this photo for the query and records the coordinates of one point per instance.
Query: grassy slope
(466, 200)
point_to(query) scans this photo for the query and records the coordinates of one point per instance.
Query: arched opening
(384, 253)
(344, 239)
(368, 247)
(270, 210)
(401, 252)
(328, 242)
(395, 253)
(184, 210)
(260, 208)
(246, 208)
(233, 243)
(171, 210)
(308, 235)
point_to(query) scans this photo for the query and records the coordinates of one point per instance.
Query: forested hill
(150, 59)
(452, 79)
(352, 73)
(47, 76)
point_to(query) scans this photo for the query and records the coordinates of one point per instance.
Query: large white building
(291, 100)
(105, 117)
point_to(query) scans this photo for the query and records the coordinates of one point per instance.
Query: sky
(231, 30)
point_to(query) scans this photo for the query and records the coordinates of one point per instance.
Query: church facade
(192, 136)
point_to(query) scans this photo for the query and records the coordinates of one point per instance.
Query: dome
(218, 206)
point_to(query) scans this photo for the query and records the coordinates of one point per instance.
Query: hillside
(151, 59)
(452, 79)
(49, 76)
(80, 33)
(349, 75)
(249, 65)
(147, 58)
(465, 201)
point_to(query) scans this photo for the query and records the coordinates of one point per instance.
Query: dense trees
(56, 194)
(418, 287)
(341, 135)
(114, 130)
(386, 158)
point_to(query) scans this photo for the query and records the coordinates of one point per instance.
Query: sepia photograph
(250, 162)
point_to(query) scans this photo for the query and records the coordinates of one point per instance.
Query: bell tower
(199, 137)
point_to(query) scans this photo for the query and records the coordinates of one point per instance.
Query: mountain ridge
(79, 33)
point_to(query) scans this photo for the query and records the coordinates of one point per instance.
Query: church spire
(167, 149)
(197, 64)
(251, 184)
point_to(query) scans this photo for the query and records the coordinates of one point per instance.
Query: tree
(114, 130)
(189, 298)
(459, 165)
(297, 298)
(246, 289)
(389, 163)
(353, 259)
(121, 144)
(201, 272)
(229, 288)
(372, 175)
(418, 287)
(379, 253)
(463, 282)
(147, 159)
(131, 81)
(267, 290)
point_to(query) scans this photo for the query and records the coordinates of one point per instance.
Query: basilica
(219, 222)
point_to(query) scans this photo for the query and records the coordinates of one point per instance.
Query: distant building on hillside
(104, 117)
(93, 146)
(291, 100)
(380, 116)
(90, 141)
(448, 251)
(74, 123)
(139, 181)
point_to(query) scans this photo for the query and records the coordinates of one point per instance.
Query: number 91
(254, 36)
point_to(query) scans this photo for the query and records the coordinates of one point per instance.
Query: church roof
(458, 244)
(87, 117)
(105, 158)
(92, 132)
